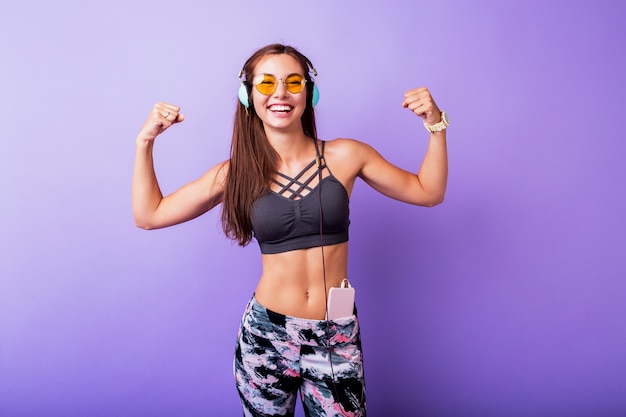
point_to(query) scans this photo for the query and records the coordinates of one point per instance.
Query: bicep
(390, 180)
(192, 199)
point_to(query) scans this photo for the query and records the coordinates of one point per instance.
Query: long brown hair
(252, 158)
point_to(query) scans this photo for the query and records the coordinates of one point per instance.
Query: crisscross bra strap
(297, 187)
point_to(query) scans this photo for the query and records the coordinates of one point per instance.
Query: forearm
(433, 173)
(146, 193)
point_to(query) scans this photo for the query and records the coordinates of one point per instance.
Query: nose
(281, 88)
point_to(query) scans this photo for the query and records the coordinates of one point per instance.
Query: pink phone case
(340, 302)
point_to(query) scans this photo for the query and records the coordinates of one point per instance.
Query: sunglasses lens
(266, 85)
(294, 83)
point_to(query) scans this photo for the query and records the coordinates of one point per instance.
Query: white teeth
(280, 108)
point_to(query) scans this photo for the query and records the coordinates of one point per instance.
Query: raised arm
(427, 187)
(150, 209)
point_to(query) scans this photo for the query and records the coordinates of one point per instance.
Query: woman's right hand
(162, 116)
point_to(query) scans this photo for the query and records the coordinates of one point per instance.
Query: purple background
(507, 300)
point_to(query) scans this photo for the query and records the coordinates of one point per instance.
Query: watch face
(444, 117)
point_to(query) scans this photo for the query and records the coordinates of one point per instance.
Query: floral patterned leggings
(278, 355)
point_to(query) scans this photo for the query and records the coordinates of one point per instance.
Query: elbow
(434, 201)
(142, 223)
(438, 202)
(144, 219)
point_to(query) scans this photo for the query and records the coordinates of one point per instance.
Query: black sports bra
(289, 219)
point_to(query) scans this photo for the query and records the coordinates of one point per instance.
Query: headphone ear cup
(316, 95)
(243, 95)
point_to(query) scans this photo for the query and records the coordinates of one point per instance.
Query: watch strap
(438, 127)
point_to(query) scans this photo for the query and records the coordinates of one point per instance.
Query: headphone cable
(318, 159)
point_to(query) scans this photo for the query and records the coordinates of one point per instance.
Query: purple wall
(507, 300)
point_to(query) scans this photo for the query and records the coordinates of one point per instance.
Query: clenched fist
(420, 102)
(162, 116)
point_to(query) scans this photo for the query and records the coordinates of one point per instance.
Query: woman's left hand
(420, 102)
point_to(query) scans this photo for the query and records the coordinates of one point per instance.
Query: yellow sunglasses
(267, 84)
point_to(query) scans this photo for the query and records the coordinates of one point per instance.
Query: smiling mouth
(280, 109)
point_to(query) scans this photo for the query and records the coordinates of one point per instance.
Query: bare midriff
(292, 282)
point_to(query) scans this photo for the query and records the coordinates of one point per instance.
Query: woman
(290, 190)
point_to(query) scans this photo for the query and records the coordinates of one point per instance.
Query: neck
(290, 146)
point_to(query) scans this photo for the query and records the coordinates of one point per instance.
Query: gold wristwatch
(438, 127)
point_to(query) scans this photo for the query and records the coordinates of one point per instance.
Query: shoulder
(346, 150)
(347, 158)
(346, 147)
